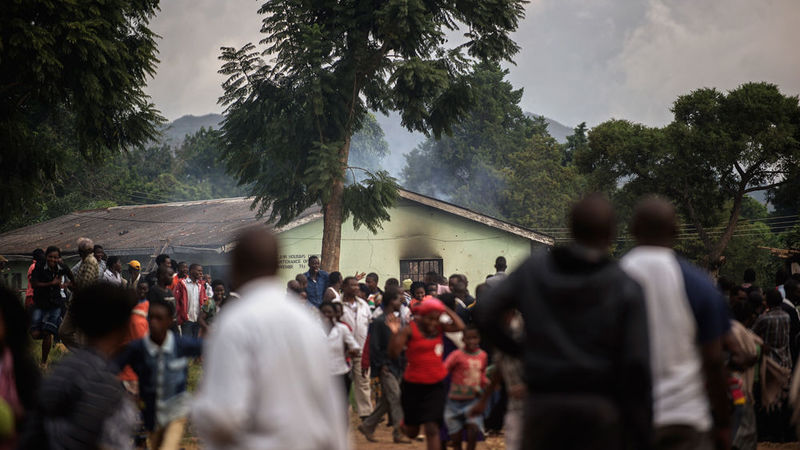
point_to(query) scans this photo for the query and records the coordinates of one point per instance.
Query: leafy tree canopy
(288, 124)
(71, 77)
(142, 175)
(718, 148)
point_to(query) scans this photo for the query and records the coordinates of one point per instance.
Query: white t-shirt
(340, 339)
(337, 296)
(262, 387)
(113, 278)
(679, 394)
(192, 298)
(358, 316)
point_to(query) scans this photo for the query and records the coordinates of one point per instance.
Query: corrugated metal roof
(206, 225)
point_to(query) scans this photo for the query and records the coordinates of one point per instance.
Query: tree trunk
(715, 256)
(332, 217)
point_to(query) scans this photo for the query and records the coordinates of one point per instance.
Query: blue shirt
(163, 374)
(316, 289)
(708, 305)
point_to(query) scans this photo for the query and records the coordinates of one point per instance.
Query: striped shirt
(773, 328)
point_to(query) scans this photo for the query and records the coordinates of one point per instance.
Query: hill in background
(175, 132)
(556, 129)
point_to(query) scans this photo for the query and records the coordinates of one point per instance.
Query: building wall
(414, 232)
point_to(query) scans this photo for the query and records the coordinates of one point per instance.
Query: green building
(424, 234)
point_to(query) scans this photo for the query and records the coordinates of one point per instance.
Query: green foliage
(498, 160)
(578, 141)
(541, 188)
(289, 127)
(154, 174)
(791, 238)
(718, 148)
(368, 201)
(71, 82)
(743, 252)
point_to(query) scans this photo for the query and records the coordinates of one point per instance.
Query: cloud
(685, 45)
(586, 60)
(581, 60)
(192, 32)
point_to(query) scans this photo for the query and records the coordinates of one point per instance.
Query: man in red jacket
(190, 295)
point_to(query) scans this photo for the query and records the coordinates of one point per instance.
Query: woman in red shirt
(422, 392)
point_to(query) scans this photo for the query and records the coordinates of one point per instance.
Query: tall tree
(71, 77)
(540, 186)
(288, 126)
(718, 149)
(467, 166)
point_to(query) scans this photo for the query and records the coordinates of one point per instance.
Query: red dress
(424, 356)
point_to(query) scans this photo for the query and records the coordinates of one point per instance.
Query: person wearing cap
(407, 290)
(134, 273)
(422, 393)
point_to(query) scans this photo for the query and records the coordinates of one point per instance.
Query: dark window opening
(415, 269)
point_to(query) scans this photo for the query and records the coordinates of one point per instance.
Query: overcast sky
(581, 60)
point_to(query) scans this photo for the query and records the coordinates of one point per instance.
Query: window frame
(423, 266)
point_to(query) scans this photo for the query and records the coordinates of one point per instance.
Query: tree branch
(765, 187)
(360, 168)
(738, 169)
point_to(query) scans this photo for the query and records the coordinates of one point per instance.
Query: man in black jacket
(585, 350)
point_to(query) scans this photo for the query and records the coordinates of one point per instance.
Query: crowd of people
(572, 350)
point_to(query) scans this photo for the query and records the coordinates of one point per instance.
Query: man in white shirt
(190, 295)
(688, 324)
(357, 315)
(262, 385)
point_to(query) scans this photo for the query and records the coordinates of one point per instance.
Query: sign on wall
(293, 262)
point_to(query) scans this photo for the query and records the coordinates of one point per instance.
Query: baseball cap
(135, 264)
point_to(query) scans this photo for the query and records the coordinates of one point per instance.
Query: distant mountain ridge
(556, 129)
(400, 140)
(175, 132)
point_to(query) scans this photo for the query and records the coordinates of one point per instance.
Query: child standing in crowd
(417, 293)
(340, 340)
(464, 407)
(161, 362)
(422, 392)
(333, 292)
(211, 307)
